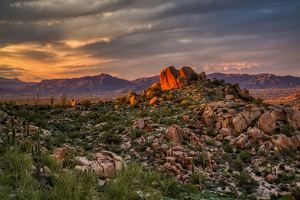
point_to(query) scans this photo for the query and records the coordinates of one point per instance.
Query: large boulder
(202, 76)
(187, 72)
(168, 78)
(245, 95)
(134, 100)
(267, 123)
(293, 117)
(281, 141)
(241, 141)
(73, 103)
(181, 82)
(154, 101)
(157, 84)
(175, 133)
(256, 134)
(227, 121)
(59, 154)
(239, 123)
(209, 117)
(278, 114)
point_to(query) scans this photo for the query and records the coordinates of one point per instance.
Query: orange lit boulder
(187, 72)
(168, 78)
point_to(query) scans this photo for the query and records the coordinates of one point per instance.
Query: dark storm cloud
(145, 36)
(9, 72)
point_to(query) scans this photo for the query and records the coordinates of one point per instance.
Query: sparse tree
(51, 100)
(63, 99)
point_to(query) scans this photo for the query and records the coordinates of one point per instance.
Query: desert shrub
(287, 130)
(77, 114)
(218, 82)
(238, 164)
(245, 156)
(258, 101)
(140, 178)
(168, 111)
(107, 117)
(93, 115)
(94, 107)
(197, 178)
(170, 96)
(111, 138)
(191, 188)
(85, 102)
(82, 118)
(245, 180)
(211, 92)
(121, 99)
(192, 107)
(281, 167)
(185, 103)
(296, 192)
(228, 147)
(194, 76)
(226, 156)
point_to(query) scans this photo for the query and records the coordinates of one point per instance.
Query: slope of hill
(88, 84)
(147, 81)
(7, 83)
(259, 81)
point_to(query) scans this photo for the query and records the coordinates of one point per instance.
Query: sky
(46, 39)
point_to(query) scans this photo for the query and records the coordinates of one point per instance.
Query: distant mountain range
(100, 84)
(7, 83)
(107, 84)
(259, 81)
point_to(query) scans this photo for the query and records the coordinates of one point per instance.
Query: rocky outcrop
(202, 76)
(170, 78)
(267, 123)
(181, 82)
(105, 164)
(73, 103)
(187, 72)
(293, 117)
(133, 100)
(239, 123)
(209, 117)
(175, 133)
(281, 141)
(157, 84)
(245, 95)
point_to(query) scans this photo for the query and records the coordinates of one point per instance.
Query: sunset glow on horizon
(132, 39)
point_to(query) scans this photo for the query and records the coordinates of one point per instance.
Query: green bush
(238, 164)
(245, 156)
(82, 118)
(228, 147)
(218, 82)
(85, 102)
(107, 117)
(111, 138)
(287, 130)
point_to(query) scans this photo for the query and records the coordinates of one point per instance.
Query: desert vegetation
(205, 139)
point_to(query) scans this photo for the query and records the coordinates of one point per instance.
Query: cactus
(63, 99)
(13, 131)
(36, 102)
(27, 101)
(37, 154)
(193, 166)
(51, 100)
(27, 130)
(132, 135)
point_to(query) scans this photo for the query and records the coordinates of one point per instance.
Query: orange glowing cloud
(37, 61)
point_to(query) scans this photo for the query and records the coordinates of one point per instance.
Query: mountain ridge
(105, 83)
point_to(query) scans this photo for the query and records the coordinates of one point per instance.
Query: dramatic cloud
(136, 38)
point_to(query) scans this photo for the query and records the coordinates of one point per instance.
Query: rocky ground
(214, 138)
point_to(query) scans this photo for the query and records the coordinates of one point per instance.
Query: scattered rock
(267, 123)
